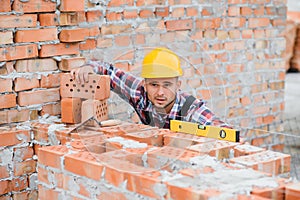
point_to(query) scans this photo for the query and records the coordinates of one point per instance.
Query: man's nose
(160, 90)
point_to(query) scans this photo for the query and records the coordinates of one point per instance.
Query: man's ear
(178, 84)
(143, 84)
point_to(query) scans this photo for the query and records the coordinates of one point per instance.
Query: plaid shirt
(130, 88)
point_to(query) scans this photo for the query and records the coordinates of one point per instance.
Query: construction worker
(156, 96)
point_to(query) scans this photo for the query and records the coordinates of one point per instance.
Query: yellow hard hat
(161, 63)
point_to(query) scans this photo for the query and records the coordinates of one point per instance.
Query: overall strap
(186, 106)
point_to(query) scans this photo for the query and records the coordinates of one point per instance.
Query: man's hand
(81, 74)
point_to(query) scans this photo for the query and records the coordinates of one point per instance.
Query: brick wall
(231, 53)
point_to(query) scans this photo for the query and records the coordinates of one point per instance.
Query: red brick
(23, 153)
(25, 167)
(71, 18)
(38, 97)
(38, 35)
(192, 11)
(48, 50)
(67, 64)
(113, 16)
(104, 42)
(13, 137)
(7, 68)
(267, 161)
(50, 81)
(6, 37)
(18, 184)
(292, 191)
(34, 6)
(246, 11)
(48, 19)
(178, 12)
(115, 29)
(123, 40)
(84, 164)
(9, 116)
(88, 44)
(51, 109)
(52, 156)
(18, 52)
(96, 108)
(45, 193)
(98, 87)
(6, 85)
(4, 187)
(5, 6)
(270, 192)
(36, 65)
(18, 21)
(146, 13)
(118, 3)
(93, 15)
(179, 25)
(4, 172)
(71, 110)
(22, 83)
(162, 11)
(7, 101)
(208, 23)
(258, 22)
(73, 35)
(71, 5)
(130, 14)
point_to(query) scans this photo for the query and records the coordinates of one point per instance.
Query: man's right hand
(81, 74)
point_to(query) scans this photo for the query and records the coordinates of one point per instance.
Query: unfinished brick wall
(231, 53)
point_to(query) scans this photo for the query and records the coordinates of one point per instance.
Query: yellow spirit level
(220, 133)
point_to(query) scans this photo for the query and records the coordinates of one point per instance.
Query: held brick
(71, 5)
(5, 6)
(48, 50)
(50, 81)
(97, 87)
(67, 64)
(18, 21)
(48, 19)
(36, 65)
(34, 6)
(71, 110)
(6, 37)
(73, 35)
(22, 83)
(18, 52)
(7, 101)
(6, 85)
(38, 97)
(38, 35)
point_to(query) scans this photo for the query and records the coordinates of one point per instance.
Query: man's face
(162, 91)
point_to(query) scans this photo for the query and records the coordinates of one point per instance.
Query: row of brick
(106, 157)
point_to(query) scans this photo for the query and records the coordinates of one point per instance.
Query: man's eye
(154, 84)
(167, 85)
